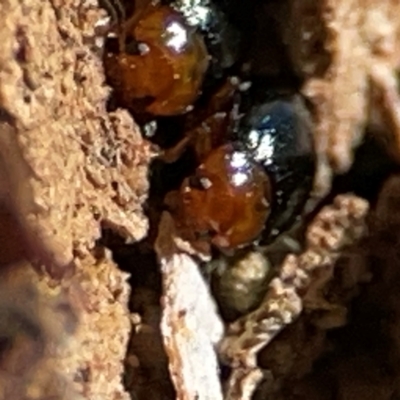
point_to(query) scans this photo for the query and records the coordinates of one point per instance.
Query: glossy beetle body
(228, 198)
(278, 136)
(271, 155)
(161, 68)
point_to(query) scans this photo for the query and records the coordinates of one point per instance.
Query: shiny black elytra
(278, 135)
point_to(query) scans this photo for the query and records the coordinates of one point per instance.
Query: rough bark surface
(348, 52)
(69, 168)
(82, 168)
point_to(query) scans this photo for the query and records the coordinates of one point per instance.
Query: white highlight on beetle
(239, 162)
(143, 48)
(263, 148)
(206, 183)
(196, 12)
(244, 86)
(176, 36)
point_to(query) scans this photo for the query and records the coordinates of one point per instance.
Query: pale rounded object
(240, 283)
